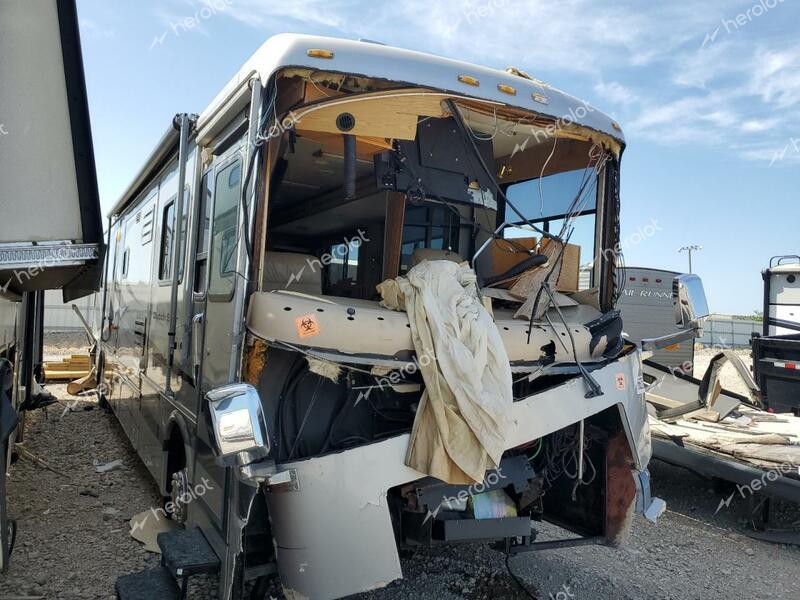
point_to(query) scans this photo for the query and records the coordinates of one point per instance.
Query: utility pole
(689, 249)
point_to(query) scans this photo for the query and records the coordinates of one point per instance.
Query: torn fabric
(463, 418)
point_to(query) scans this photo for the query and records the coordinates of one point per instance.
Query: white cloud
(776, 76)
(616, 93)
(759, 125)
(298, 14)
(645, 63)
(90, 27)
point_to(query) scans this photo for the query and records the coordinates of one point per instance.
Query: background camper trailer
(776, 354)
(51, 234)
(716, 432)
(647, 306)
(254, 340)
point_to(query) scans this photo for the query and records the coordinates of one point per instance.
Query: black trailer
(776, 353)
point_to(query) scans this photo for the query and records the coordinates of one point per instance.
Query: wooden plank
(77, 386)
(50, 375)
(331, 143)
(393, 234)
(380, 115)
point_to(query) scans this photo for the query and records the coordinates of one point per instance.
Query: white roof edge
(418, 68)
(786, 268)
(369, 59)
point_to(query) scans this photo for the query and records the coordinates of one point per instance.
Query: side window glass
(167, 241)
(126, 257)
(225, 238)
(203, 227)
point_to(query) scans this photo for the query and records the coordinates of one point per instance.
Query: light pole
(689, 250)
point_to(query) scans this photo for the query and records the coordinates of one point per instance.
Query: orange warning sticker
(620, 381)
(307, 326)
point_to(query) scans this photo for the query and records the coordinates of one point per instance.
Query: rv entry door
(218, 242)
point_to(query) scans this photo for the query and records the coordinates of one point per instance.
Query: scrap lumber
(75, 366)
(87, 382)
(530, 283)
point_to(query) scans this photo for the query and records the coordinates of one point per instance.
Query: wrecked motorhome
(254, 338)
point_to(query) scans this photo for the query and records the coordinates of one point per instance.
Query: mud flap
(646, 505)
(628, 491)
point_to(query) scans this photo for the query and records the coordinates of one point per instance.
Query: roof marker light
(540, 98)
(469, 80)
(319, 53)
(506, 89)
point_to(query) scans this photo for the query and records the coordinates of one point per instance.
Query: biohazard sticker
(307, 326)
(620, 381)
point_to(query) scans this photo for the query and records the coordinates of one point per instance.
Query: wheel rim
(178, 495)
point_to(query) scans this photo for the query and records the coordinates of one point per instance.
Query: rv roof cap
(369, 59)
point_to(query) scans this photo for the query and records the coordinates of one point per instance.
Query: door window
(203, 227)
(225, 232)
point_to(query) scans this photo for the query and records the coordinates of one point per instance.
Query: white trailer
(782, 296)
(647, 307)
(51, 234)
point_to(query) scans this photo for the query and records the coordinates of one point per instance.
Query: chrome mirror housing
(689, 299)
(691, 307)
(240, 429)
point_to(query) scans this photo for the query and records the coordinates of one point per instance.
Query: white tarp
(463, 417)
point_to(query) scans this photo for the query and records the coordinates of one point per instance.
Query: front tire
(180, 496)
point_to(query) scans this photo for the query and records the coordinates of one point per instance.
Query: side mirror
(691, 307)
(689, 299)
(240, 429)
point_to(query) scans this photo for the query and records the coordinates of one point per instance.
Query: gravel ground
(73, 539)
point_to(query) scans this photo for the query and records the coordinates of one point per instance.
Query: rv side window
(224, 240)
(167, 242)
(126, 256)
(343, 268)
(203, 226)
(166, 256)
(428, 227)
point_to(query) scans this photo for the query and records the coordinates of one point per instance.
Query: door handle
(197, 340)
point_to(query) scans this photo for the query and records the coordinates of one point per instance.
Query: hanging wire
(541, 174)
(481, 137)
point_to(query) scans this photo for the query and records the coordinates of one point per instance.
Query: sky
(707, 93)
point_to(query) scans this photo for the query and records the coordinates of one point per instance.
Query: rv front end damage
(338, 516)
(375, 180)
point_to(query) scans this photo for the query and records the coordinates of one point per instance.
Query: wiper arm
(594, 387)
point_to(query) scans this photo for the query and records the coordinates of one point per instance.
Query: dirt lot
(73, 539)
